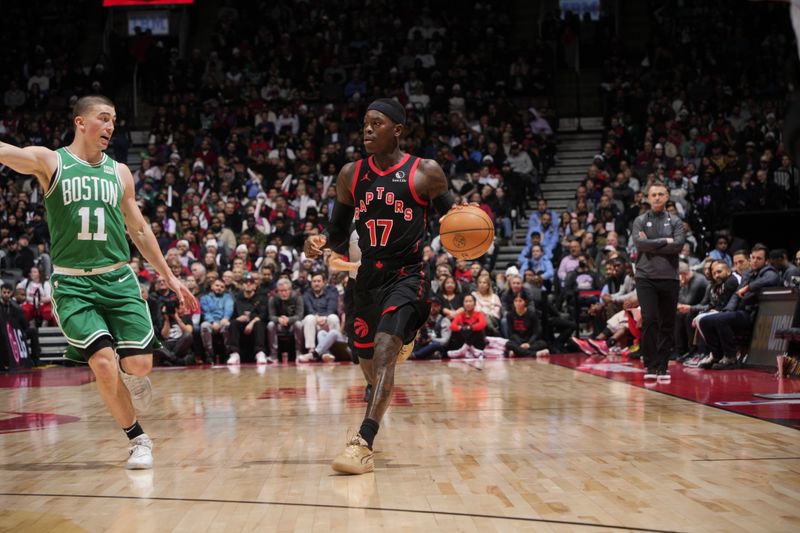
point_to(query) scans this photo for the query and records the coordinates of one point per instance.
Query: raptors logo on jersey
(390, 216)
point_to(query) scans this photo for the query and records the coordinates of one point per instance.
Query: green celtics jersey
(87, 229)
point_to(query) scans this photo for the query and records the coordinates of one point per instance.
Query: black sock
(369, 428)
(134, 431)
(610, 342)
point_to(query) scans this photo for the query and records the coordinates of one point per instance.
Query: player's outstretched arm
(32, 160)
(145, 241)
(338, 230)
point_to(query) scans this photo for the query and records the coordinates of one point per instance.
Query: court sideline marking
(335, 506)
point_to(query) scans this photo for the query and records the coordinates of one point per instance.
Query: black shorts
(389, 298)
(349, 308)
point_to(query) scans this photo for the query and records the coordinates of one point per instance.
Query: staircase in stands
(576, 148)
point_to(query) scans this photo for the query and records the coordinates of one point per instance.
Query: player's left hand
(185, 296)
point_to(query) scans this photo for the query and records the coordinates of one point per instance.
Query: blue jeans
(424, 352)
(505, 222)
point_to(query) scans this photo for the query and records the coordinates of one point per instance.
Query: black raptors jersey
(390, 216)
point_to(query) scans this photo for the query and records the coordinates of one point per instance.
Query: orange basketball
(467, 232)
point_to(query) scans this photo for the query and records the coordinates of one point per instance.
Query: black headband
(391, 108)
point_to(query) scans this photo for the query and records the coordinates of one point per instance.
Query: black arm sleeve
(338, 230)
(444, 202)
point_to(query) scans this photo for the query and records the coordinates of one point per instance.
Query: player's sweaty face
(378, 131)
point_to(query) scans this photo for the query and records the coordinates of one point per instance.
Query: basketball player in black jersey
(389, 194)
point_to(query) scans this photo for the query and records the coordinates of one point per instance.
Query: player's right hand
(186, 299)
(456, 207)
(314, 245)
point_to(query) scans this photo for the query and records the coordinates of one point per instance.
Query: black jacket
(657, 259)
(256, 305)
(717, 296)
(693, 292)
(292, 308)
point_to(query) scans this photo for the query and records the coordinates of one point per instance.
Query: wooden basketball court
(514, 445)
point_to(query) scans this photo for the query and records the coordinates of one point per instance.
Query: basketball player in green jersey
(90, 202)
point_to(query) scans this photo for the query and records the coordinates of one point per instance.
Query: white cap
(241, 248)
(211, 242)
(271, 248)
(183, 242)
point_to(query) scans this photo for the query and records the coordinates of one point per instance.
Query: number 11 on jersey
(85, 234)
(386, 224)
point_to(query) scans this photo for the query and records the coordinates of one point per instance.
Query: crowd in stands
(248, 135)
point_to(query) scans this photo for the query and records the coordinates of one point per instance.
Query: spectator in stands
(581, 197)
(452, 297)
(249, 319)
(14, 97)
(515, 286)
(38, 306)
(617, 288)
(433, 338)
(222, 235)
(582, 288)
(549, 234)
(787, 179)
(720, 251)
(524, 330)
(741, 264)
(790, 277)
(488, 303)
(502, 207)
(142, 274)
(719, 329)
(286, 318)
(779, 260)
(469, 331)
(12, 311)
(693, 289)
(719, 292)
(536, 262)
(570, 262)
(217, 308)
(321, 304)
(26, 256)
(199, 274)
(175, 335)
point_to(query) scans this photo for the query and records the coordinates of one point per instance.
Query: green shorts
(90, 307)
